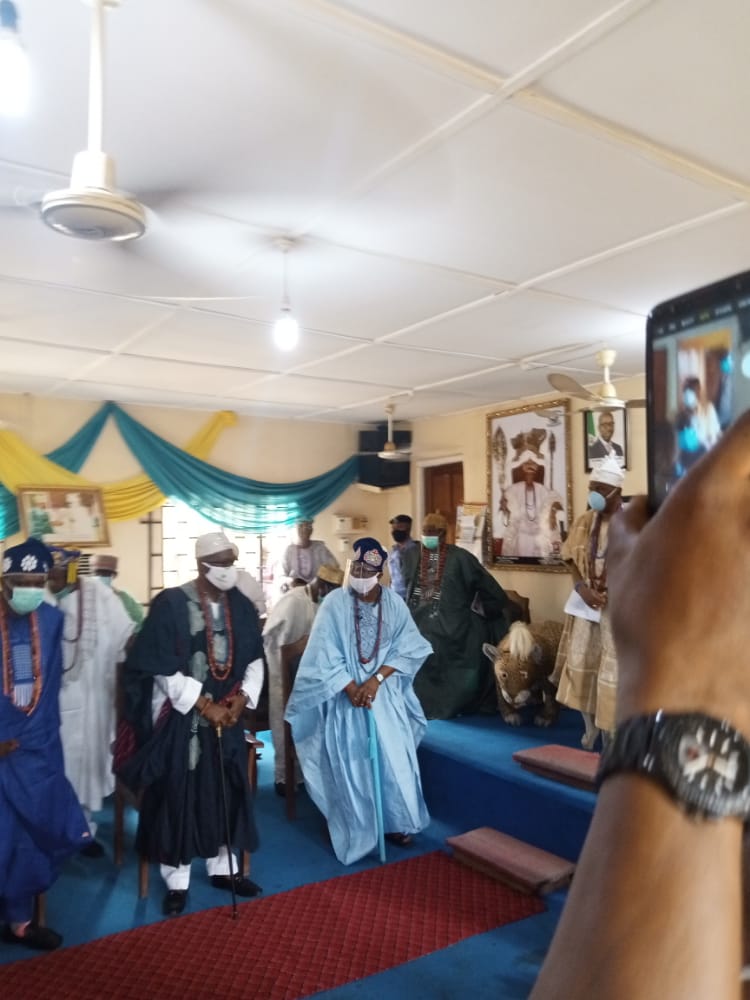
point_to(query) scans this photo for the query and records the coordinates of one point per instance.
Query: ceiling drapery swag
(224, 498)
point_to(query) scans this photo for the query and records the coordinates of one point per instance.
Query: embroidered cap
(370, 552)
(329, 573)
(62, 556)
(213, 542)
(31, 556)
(435, 521)
(607, 470)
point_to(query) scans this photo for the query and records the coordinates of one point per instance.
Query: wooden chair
(522, 602)
(291, 654)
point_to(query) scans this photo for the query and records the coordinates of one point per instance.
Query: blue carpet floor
(469, 781)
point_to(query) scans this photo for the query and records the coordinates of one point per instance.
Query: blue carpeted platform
(470, 779)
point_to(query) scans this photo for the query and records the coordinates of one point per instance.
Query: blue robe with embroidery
(331, 735)
(41, 822)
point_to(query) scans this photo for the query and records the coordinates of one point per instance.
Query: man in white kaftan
(290, 620)
(362, 655)
(95, 636)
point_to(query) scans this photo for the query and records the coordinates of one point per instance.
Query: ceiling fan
(605, 396)
(390, 450)
(92, 208)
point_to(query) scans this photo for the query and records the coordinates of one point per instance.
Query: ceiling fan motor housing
(91, 208)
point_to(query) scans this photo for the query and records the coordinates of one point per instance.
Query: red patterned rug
(283, 947)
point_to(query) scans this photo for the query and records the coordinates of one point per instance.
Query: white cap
(213, 542)
(606, 470)
(528, 456)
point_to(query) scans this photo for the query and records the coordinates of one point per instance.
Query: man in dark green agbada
(457, 606)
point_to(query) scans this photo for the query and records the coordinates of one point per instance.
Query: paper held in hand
(577, 607)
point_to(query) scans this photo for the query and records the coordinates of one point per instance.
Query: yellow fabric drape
(126, 500)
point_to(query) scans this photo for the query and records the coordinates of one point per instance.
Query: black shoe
(174, 902)
(400, 839)
(242, 886)
(93, 849)
(38, 938)
(280, 787)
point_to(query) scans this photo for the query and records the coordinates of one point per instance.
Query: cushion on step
(512, 861)
(559, 763)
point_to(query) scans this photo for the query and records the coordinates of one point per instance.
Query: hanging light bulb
(286, 327)
(14, 63)
(286, 330)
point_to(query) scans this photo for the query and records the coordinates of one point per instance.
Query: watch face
(707, 762)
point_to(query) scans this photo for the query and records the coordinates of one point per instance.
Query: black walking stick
(226, 820)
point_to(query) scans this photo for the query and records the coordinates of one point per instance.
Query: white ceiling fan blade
(564, 383)
(395, 456)
(22, 199)
(635, 404)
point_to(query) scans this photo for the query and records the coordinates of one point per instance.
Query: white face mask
(363, 584)
(222, 577)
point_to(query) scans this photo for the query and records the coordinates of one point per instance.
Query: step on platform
(559, 763)
(511, 861)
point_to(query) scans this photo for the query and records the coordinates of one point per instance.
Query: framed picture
(63, 515)
(529, 489)
(605, 432)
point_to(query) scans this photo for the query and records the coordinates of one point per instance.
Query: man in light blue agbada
(362, 656)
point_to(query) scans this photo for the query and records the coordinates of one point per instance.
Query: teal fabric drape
(76, 450)
(224, 498)
(71, 456)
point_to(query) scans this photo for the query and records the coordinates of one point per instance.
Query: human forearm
(650, 882)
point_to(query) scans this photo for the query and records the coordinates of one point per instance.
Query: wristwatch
(379, 677)
(702, 762)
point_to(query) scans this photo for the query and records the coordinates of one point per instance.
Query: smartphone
(697, 376)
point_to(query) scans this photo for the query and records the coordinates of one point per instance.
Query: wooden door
(443, 492)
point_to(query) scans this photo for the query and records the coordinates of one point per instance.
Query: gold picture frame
(64, 515)
(529, 486)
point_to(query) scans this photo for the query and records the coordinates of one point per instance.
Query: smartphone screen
(697, 376)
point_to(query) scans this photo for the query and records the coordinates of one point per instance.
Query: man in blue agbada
(41, 822)
(362, 656)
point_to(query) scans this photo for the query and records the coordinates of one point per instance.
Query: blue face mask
(431, 542)
(598, 502)
(726, 365)
(690, 399)
(24, 600)
(68, 589)
(106, 580)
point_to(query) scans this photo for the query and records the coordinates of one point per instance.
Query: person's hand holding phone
(680, 584)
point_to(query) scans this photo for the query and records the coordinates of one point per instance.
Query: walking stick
(373, 751)
(226, 820)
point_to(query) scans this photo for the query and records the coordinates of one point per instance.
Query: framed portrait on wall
(529, 488)
(63, 515)
(605, 432)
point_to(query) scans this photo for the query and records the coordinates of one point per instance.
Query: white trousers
(178, 878)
